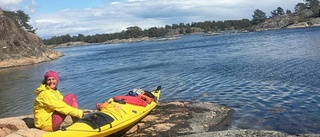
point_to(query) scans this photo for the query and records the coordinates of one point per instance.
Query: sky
(90, 17)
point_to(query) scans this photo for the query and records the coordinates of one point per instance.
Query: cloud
(10, 4)
(4, 3)
(32, 7)
(118, 15)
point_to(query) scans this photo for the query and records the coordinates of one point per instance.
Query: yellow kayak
(118, 113)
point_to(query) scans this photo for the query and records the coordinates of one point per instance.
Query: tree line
(208, 26)
(136, 32)
(21, 19)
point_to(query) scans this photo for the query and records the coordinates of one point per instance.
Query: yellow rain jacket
(48, 101)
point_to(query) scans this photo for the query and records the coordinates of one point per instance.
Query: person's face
(51, 82)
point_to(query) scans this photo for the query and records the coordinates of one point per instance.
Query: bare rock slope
(19, 47)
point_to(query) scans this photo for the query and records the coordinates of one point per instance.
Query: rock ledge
(179, 118)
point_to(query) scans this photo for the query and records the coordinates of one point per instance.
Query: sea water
(271, 79)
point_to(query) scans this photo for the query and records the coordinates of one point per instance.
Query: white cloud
(117, 16)
(115, 3)
(32, 7)
(12, 5)
(10, 2)
(134, 0)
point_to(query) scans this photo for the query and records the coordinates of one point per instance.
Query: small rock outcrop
(19, 127)
(248, 133)
(19, 47)
(295, 20)
(182, 118)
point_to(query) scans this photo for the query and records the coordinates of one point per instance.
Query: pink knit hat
(52, 73)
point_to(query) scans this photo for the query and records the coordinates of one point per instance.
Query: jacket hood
(41, 88)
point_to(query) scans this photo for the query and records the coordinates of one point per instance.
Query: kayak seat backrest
(97, 120)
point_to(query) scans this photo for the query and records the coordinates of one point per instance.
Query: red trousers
(58, 118)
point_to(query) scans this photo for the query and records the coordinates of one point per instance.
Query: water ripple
(270, 79)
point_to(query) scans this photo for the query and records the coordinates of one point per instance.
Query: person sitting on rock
(50, 107)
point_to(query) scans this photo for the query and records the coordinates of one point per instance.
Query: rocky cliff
(295, 20)
(19, 47)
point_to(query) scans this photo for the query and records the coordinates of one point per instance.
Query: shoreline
(56, 55)
(174, 37)
(52, 55)
(186, 119)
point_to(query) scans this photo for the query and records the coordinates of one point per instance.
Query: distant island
(303, 17)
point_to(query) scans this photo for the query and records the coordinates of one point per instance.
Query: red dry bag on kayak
(131, 100)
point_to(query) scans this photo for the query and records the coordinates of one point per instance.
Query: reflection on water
(270, 78)
(16, 90)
